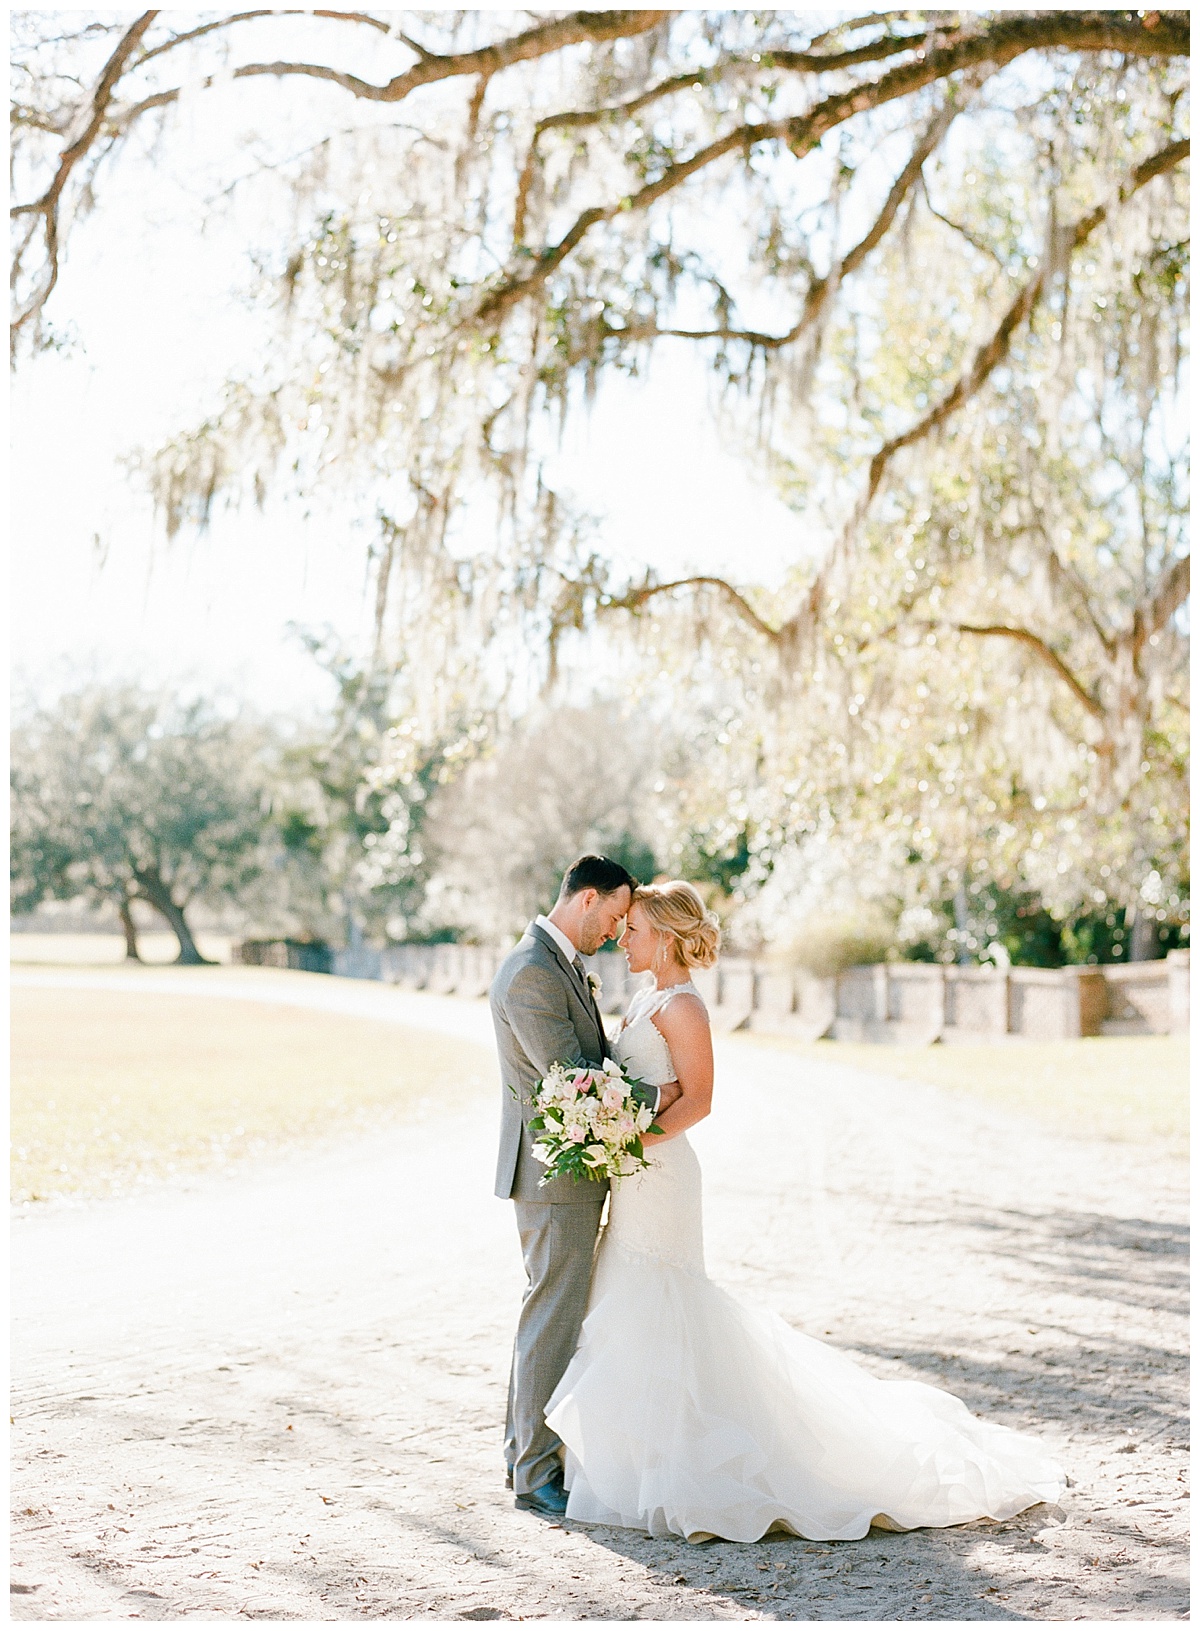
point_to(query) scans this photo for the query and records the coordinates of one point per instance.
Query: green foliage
(828, 945)
(633, 853)
(349, 809)
(1013, 925)
(716, 858)
(297, 833)
(120, 795)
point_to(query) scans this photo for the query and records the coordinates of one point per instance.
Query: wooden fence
(932, 1002)
(885, 1002)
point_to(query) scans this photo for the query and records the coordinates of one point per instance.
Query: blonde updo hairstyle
(676, 911)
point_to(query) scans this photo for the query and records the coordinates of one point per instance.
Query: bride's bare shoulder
(684, 1015)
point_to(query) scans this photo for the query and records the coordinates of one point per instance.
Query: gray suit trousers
(558, 1242)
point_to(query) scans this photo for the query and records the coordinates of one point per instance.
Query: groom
(545, 1014)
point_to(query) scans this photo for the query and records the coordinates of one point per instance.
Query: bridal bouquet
(589, 1124)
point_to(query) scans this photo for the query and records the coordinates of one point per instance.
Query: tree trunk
(129, 929)
(156, 893)
(1142, 941)
(188, 950)
(962, 922)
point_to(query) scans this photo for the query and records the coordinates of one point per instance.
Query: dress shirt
(568, 948)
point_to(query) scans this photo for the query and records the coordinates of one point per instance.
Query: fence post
(1085, 1001)
(1179, 965)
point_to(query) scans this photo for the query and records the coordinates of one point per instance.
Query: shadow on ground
(924, 1575)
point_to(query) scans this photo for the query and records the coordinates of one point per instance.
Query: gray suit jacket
(544, 1014)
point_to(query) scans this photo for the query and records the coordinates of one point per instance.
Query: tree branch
(994, 350)
(205, 29)
(595, 116)
(1062, 572)
(817, 62)
(1157, 34)
(1168, 595)
(634, 599)
(47, 205)
(249, 16)
(1045, 654)
(579, 28)
(1171, 592)
(976, 244)
(584, 117)
(821, 289)
(876, 19)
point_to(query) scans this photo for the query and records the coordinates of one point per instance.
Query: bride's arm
(685, 1029)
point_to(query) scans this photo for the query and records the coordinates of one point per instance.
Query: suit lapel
(577, 980)
(564, 961)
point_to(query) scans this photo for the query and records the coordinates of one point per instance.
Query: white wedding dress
(684, 1413)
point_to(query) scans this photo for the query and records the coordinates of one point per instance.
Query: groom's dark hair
(596, 872)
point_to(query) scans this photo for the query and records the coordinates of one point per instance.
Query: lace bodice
(656, 1215)
(641, 1047)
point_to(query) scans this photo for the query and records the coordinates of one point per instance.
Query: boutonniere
(595, 986)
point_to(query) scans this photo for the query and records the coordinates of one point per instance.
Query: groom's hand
(667, 1094)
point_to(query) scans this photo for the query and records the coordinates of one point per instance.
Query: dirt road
(278, 1395)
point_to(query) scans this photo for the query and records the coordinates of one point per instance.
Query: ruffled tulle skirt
(685, 1413)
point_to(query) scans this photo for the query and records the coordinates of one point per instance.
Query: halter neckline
(656, 993)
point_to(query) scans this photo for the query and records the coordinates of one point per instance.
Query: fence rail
(885, 1002)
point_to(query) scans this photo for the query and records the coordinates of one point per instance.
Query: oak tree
(938, 263)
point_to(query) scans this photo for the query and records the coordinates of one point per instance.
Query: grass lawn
(111, 1089)
(1129, 1088)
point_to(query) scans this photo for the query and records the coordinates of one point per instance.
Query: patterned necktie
(582, 973)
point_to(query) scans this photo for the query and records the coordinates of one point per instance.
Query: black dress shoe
(508, 1477)
(550, 1500)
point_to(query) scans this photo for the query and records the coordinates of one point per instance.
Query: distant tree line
(364, 828)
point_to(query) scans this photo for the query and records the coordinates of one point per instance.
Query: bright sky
(97, 589)
(96, 585)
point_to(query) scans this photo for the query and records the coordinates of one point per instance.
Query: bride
(683, 1413)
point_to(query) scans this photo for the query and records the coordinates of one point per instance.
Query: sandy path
(278, 1395)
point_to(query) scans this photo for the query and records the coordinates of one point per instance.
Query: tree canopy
(938, 262)
(119, 795)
